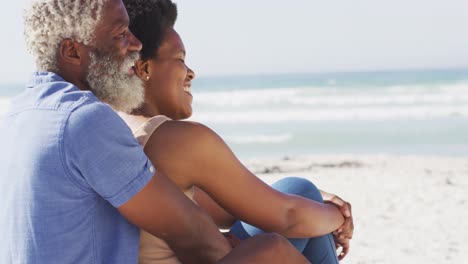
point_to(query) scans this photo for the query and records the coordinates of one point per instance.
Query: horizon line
(325, 72)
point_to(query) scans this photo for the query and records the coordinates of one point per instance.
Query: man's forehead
(114, 15)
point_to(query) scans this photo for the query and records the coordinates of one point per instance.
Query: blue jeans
(316, 250)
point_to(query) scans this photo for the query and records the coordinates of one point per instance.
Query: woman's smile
(188, 89)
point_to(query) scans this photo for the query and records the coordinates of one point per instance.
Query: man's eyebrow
(121, 22)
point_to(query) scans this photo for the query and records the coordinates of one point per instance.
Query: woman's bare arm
(222, 218)
(192, 154)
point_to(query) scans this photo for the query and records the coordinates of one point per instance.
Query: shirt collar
(39, 78)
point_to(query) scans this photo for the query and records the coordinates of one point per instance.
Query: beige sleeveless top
(152, 249)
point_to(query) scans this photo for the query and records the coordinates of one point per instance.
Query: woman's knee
(298, 186)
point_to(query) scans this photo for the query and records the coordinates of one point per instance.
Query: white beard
(113, 84)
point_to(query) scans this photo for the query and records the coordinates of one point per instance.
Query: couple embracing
(82, 183)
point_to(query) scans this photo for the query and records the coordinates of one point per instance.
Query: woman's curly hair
(149, 20)
(48, 22)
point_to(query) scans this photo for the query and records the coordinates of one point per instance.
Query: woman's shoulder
(144, 128)
(183, 133)
(184, 126)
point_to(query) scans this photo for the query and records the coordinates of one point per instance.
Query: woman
(204, 167)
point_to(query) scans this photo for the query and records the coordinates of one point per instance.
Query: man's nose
(135, 44)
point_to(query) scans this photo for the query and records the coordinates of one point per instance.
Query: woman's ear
(142, 70)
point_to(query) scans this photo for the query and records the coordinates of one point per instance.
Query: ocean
(394, 112)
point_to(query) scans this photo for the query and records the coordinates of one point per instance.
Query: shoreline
(407, 209)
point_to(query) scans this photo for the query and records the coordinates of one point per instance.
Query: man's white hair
(48, 22)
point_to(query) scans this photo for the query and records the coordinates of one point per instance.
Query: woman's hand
(343, 234)
(232, 239)
(347, 229)
(342, 243)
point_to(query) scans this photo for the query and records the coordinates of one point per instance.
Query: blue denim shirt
(66, 162)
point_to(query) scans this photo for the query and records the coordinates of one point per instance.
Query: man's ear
(142, 69)
(70, 52)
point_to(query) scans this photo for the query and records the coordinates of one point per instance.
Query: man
(75, 184)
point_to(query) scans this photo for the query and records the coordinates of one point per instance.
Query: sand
(4, 104)
(407, 209)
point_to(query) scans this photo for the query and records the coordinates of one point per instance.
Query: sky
(295, 36)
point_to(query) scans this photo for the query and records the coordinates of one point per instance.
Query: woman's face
(167, 92)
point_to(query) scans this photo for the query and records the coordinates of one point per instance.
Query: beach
(393, 144)
(406, 174)
(407, 209)
(4, 104)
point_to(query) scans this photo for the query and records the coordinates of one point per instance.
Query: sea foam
(332, 104)
(344, 114)
(332, 96)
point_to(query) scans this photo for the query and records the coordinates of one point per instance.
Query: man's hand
(343, 234)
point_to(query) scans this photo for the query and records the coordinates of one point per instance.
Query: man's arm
(106, 158)
(223, 219)
(161, 209)
(265, 248)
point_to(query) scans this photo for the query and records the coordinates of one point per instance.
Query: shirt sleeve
(102, 155)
